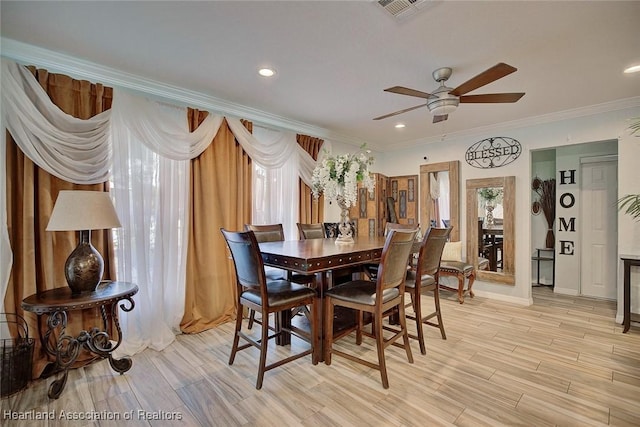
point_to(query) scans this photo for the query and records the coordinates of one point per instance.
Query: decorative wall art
(403, 204)
(493, 152)
(411, 184)
(362, 201)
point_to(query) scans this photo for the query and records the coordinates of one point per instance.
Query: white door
(599, 229)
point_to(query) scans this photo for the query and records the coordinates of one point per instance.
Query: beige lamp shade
(83, 210)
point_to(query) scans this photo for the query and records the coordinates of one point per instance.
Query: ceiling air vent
(402, 8)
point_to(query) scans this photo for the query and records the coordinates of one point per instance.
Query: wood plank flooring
(560, 362)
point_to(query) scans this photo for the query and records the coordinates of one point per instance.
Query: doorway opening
(582, 260)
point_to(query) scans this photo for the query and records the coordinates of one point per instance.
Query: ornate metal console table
(56, 303)
(628, 261)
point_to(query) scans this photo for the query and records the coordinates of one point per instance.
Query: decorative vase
(550, 241)
(489, 218)
(345, 235)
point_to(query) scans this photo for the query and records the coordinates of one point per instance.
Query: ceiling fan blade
(406, 91)
(442, 118)
(494, 73)
(400, 112)
(491, 98)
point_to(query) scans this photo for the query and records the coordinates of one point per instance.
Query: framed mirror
(444, 175)
(479, 232)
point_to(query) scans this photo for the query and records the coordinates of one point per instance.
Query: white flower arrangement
(339, 176)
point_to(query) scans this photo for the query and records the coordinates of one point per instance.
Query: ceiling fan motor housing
(442, 102)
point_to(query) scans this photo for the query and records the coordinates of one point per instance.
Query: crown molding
(27, 54)
(620, 104)
(55, 62)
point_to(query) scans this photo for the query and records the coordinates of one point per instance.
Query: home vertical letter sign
(567, 201)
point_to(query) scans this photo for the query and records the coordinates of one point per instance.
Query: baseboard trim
(565, 291)
(504, 298)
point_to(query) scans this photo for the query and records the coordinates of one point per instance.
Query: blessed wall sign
(493, 152)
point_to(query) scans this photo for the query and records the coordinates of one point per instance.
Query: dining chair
(308, 231)
(377, 298)
(269, 233)
(331, 229)
(311, 231)
(372, 269)
(485, 247)
(275, 233)
(319, 231)
(266, 296)
(425, 277)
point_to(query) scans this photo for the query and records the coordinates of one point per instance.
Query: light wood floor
(563, 361)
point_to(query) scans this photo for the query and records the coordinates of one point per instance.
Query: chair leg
(436, 300)
(461, 288)
(264, 343)
(380, 346)
(417, 309)
(360, 325)
(236, 334)
(405, 332)
(252, 316)
(472, 278)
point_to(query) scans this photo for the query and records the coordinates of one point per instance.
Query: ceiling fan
(445, 100)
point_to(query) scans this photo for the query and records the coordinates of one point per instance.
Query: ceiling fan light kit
(445, 100)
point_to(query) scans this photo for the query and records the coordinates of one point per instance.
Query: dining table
(325, 259)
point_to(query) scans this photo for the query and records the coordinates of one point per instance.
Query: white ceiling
(333, 59)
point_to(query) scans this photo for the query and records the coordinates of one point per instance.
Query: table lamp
(83, 211)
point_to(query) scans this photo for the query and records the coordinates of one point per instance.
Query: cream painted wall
(597, 127)
(629, 230)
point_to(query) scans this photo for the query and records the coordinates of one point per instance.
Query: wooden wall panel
(370, 211)
(404, 190)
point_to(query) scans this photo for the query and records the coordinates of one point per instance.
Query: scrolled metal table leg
(124, 364)
(65, 348)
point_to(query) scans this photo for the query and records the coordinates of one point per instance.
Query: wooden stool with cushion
(452, 264)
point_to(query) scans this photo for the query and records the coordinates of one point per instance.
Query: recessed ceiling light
(266, 72)
(399, 125)
(632, 69)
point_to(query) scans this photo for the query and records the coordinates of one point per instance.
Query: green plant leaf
(631, 205)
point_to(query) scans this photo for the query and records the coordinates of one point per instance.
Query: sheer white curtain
(151, 196)
(6, 255)
(276, 189)
(443, 202)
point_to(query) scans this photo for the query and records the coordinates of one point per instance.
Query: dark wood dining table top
(318, 255)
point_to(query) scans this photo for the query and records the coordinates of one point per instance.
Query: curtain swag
(72, 149)
(79, 151)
